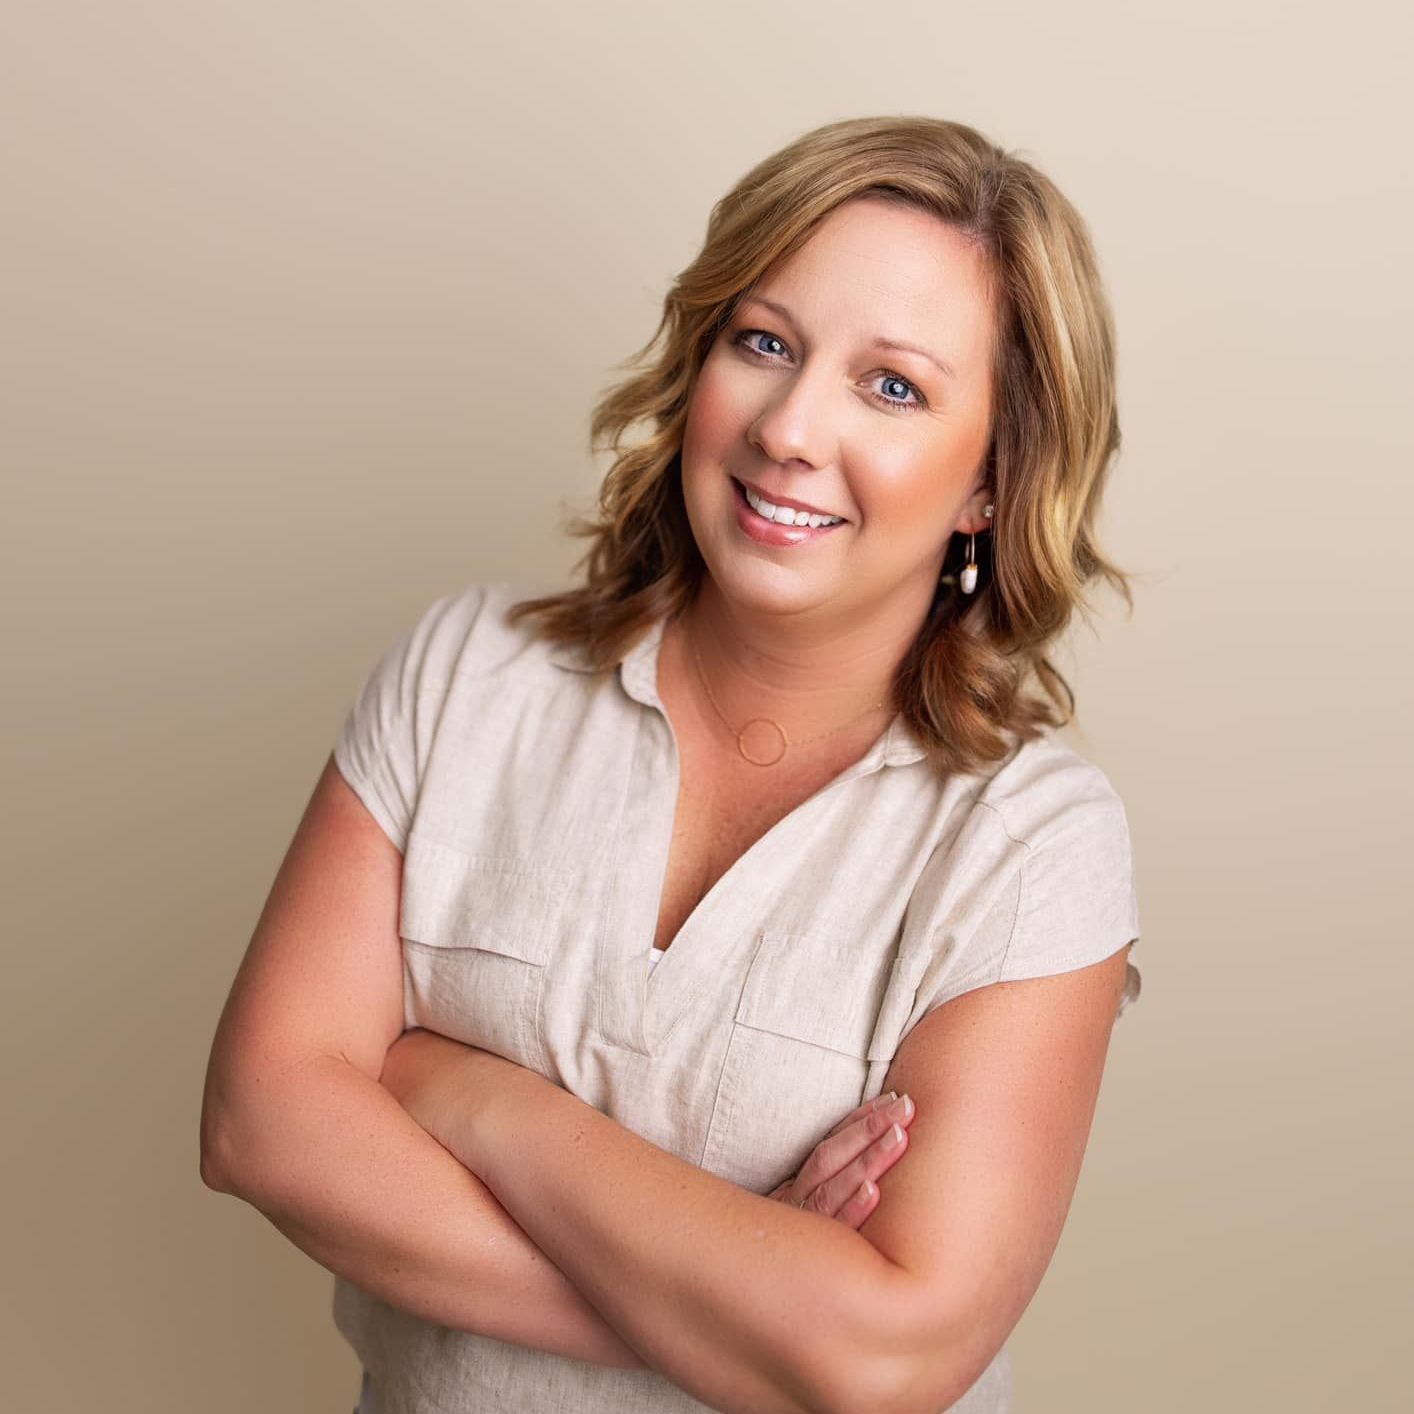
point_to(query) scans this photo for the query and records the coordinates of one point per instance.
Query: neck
(809, 674)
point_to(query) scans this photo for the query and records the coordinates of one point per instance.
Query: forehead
(876, 269)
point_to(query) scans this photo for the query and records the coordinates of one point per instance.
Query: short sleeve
(1062, 900)
(1077, 902)
(382, 747)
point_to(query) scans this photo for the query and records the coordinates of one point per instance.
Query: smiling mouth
(784, 515)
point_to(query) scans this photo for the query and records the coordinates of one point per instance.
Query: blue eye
(748, 333)
(902, 383)
(741, 340)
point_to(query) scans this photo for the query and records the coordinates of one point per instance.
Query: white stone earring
(967, 582)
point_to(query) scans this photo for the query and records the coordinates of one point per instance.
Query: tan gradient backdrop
(304, 306)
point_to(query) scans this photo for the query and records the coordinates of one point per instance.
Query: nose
(795, 425)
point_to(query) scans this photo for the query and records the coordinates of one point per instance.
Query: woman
(672, 875)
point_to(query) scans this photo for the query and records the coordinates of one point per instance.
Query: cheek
(716, 414)
(913, 491)
(897, 482)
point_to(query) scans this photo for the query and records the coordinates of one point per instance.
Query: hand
(852, 1154)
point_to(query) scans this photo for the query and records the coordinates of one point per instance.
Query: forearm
(339, 1167)
(746, 1303)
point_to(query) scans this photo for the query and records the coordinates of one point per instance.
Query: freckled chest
(718, 820)
(726, 804)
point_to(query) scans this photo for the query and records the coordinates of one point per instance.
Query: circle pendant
(760, 760)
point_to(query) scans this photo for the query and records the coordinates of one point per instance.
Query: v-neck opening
(667, 987)
(863, 766)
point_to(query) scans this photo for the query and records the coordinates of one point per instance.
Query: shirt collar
(638, 674)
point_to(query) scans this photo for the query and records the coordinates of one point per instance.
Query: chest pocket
(477, 933)
(812, 1037)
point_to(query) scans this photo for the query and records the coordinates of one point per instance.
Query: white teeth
(786, 515)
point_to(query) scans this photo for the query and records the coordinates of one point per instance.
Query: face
(799, 401)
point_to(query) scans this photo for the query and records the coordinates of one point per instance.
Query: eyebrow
(879, 343)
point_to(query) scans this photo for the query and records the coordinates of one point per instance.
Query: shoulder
(1042, 794)
(1043, 800)
(1034, 875)
(1046, 789)
(466, 634)
(1072, 829)
(432, 702)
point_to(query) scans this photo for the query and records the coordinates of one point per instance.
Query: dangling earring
(968, 580)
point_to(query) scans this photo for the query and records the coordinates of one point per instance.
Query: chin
(764, 588)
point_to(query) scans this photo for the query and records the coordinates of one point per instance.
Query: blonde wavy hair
(963, 685)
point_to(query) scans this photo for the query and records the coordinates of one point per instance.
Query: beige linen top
(533, 801)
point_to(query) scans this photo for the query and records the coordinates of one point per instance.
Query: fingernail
(894, 1137)
(865, 1190)
(886, 1099)
(906, 1106)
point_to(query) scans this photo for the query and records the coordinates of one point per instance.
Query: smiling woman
(616, 909)
(813, 419)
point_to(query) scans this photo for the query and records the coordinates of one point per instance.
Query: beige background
(304, 305)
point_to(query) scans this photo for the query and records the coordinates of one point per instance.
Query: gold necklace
(740, 733)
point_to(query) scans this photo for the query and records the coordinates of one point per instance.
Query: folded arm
(746, 1303)
(295, 1122)
(752, 1305)
(549, 1225)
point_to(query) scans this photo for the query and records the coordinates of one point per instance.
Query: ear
(972, 519)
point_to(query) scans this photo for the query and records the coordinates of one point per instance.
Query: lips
(787, 501)
(777, 535)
